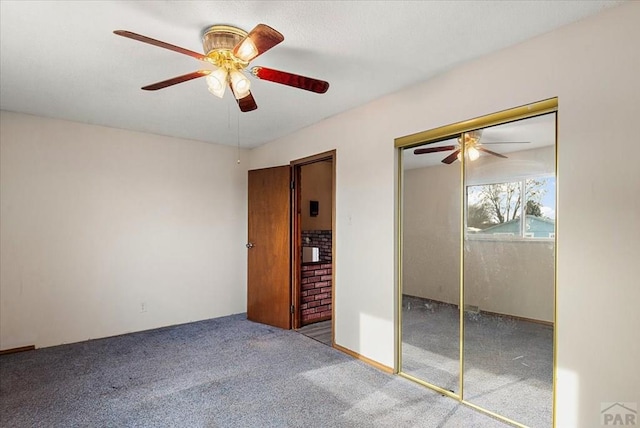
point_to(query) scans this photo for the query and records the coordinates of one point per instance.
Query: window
(497, 210)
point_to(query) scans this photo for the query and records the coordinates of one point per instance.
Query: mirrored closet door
(431, 269)
(477, 263)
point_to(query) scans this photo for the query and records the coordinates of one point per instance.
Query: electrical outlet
(143, 307)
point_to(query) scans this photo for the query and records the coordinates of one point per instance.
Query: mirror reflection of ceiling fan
(228, 51)
(473, 147)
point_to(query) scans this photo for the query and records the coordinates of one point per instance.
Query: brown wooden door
(269, 271)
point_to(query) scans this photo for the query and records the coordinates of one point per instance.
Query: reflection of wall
(514, 278)
(316, 185)
(519, 165)
(431, 233)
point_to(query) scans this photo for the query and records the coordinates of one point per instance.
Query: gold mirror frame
(431, 136)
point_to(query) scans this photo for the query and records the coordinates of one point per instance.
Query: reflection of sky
(473, 195)
(548, 201)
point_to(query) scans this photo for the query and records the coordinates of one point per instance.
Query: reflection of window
(498, 209)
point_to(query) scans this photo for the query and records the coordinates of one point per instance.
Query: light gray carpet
(224, 372)
(508, 362)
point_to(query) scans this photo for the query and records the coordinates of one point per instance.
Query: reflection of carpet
(508, 363)
(430, 333)
(320, 331)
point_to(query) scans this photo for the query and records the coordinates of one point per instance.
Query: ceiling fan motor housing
(218, 42)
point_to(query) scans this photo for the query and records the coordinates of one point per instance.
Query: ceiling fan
(472, 145)
(228, 52)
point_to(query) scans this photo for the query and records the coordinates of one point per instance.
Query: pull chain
(238, 138)
(237, 131)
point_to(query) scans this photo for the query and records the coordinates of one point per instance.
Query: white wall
(96, 221)
(593, 67)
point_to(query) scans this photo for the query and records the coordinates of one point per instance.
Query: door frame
(296, 236)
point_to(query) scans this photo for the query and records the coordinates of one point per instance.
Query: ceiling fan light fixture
(240, 84)
(217, 82)
(473, 153)
(217, 92)
(247, 50)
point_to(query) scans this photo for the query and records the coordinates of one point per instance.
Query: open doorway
(312, 246)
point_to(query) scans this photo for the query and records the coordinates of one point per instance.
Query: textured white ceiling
(61, 59)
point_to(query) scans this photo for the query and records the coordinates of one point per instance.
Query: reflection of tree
(501, 202)
(533, 208)
(478, 217)
(535, 190)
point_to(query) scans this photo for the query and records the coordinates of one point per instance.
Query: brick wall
(315, 297)
(320, 239)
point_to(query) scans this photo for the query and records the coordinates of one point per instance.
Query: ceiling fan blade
(433, 150)
(258, 41)
(290, 79)
(451, 158)
(482, 149)
(158, 43)
(176, 80)
(247, 103)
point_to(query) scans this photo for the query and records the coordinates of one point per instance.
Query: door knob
(249, 245)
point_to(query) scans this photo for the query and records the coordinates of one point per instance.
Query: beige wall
(592, 66)
(98, 221)
(317, 185)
